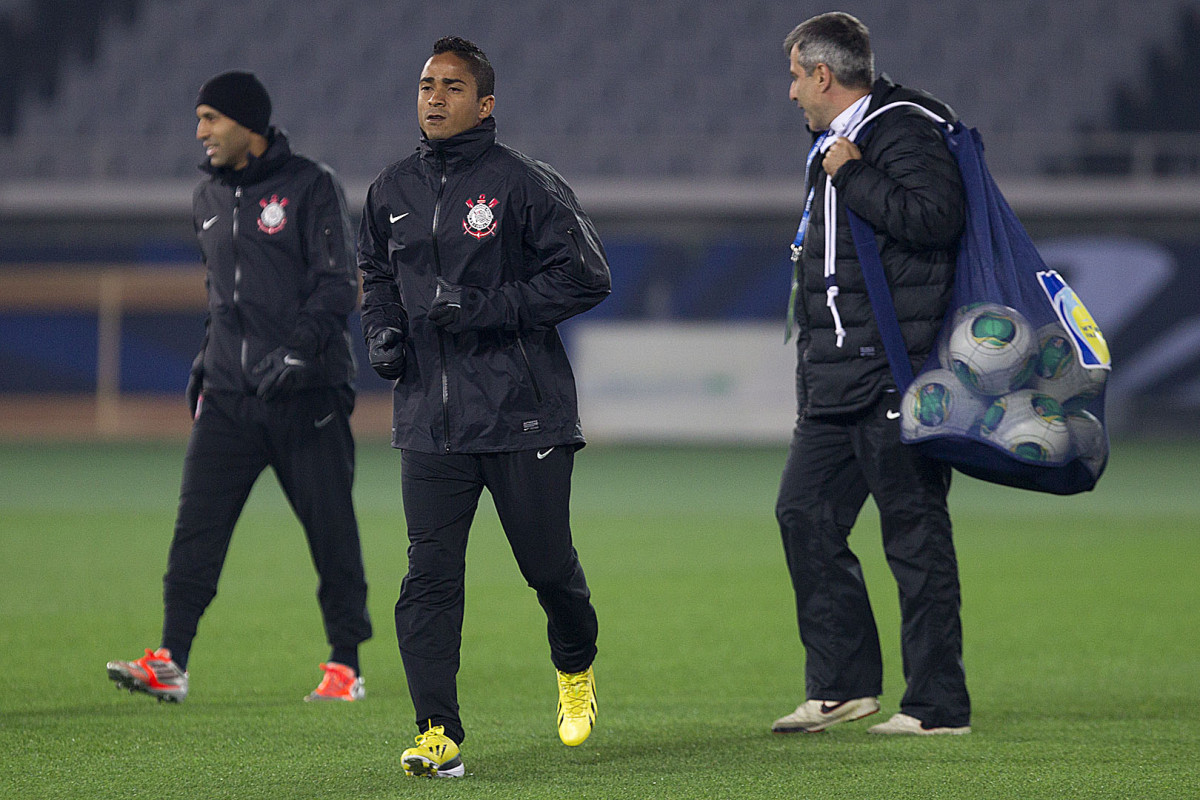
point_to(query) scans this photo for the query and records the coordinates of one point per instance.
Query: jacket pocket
(330, 246)
(537, 390)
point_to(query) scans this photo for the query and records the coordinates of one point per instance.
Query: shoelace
(576, 693)
(425, 738)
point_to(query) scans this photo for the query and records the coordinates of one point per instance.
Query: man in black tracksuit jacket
(471, 254)
(902, 180)
(273, 383)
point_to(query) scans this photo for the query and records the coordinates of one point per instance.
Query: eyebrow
(444, 80)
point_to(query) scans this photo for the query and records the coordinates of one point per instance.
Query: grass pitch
(1080, 619)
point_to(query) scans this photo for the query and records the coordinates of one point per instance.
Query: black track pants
(306, 439)
(832, 466)
(532, 498)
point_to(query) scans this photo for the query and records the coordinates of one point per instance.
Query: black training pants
(832, 465)
(306, 439)
(531, 490)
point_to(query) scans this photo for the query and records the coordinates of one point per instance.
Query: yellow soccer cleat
(435, 756)
(576, 706)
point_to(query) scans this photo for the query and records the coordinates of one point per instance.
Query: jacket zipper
(437, 270)
(330, 258)
(237, 282)
(537, 391)
(578, 249)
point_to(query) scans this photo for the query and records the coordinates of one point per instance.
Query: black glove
(195, 383)
(446, 310)
(385, 349)
(281, 372)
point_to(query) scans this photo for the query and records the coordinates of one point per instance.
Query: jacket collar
(885, 91)
(278, 151)
(464, 147)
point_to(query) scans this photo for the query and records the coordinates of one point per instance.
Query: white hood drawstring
(831, 287)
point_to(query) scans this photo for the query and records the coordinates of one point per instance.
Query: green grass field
(1080, 618)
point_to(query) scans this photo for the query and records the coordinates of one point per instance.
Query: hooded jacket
(908, 188)
(276, 242)
(508, 230)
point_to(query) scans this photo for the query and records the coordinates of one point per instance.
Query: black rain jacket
(277, 245)
(908, 188)
(509, 230)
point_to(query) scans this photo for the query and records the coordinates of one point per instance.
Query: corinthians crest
(480, 221)
(273, 217)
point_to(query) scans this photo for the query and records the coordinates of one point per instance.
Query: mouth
(210, 149)
(435, 118)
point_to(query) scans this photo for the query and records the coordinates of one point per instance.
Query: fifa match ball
(1058, 372)
(943, 344)
(1031, 425)
(1088, 440)
(992, 349)
(936, 403)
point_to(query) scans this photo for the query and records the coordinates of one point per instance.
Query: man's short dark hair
(476, 60)
(840, 42)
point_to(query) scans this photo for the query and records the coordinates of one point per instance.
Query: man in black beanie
(271, 386)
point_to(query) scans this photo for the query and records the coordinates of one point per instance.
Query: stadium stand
(612, 88)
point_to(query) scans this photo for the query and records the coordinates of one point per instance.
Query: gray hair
(840, 42)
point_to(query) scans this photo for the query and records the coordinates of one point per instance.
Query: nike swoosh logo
(292, 361)
(893, 414)
(208, 223)
(321, 423)
(543, 453)
(396, 218)
(829, 708)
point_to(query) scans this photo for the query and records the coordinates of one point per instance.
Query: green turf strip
(1080, 620)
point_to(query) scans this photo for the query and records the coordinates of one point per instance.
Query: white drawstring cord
(831, 287)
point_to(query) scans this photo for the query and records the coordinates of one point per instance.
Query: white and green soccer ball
(992, 348)
(1059, 373)
(1089, 443)
(1030, 425)
(937, 403)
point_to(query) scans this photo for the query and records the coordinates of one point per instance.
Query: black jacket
(907, 187)
(508, 230)
(277, 245)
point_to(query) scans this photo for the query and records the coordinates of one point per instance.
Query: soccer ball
(1031, 425)
(1058, 372)
(943, 342)
(936, 403)
(1088, 440)
(992, 349)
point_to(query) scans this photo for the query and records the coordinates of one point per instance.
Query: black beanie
(239, 96)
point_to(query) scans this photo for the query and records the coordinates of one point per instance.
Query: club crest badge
(480, 221)
(273, 217)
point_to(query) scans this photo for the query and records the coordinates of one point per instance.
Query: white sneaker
(812, 716)
(904, 724)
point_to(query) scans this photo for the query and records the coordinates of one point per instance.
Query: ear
(824, 76)
(485, 107)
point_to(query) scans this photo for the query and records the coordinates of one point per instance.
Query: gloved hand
(446, 310)
(386, 351)
(281, 372)
(195, 384)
